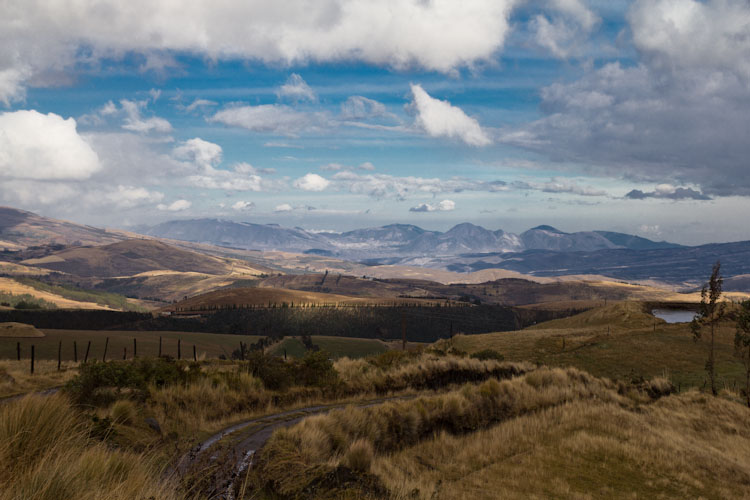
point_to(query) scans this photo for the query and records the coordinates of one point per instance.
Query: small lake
(674, 315)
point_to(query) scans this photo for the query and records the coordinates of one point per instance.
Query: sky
(630, 116)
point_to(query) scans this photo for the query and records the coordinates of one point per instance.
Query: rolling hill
(130, 257)
(20, 229)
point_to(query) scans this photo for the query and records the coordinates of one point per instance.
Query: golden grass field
(10, 286)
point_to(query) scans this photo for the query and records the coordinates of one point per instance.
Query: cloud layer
(38, 37)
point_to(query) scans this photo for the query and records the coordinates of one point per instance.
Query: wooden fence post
(59, 354)
(88, 347)
(124, 353)
(135, 349)
(160, 347)
(32, 359)
(18, 350)
(195, 356)
(75, 352)
(179, 350)
(106, 344)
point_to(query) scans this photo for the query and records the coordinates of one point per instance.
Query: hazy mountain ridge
(395, 241)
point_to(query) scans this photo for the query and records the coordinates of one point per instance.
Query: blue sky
(626, 116)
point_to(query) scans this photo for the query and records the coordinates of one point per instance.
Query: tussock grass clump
(424, 371)
(296, 456)
(123, 412)
(46, 454)
(359, 456)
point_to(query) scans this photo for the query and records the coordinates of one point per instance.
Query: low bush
(103, 382)
(313, 370)
(486, 354)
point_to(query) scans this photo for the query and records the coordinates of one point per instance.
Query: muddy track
(45, 392)
(213, 466)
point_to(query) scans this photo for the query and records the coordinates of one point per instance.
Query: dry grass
(297, 457)
(16, 378)
(18, 330)
(423, 371)
(46, 454)
(687, 446)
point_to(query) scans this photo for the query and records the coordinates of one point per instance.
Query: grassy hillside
(686, 446)
(111, 300)
(637, 345)
(129, 257)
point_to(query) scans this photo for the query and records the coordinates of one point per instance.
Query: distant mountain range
(395, 241)
(541, 251)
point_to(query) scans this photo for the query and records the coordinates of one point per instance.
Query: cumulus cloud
(679, 116)
(137, 123)
(38, 146)
(442, 35)
(312, 182)
(692, 34)
(440, 119)
(243, 206)
(668, 192)
(296, 89)
(271, 118)
(175, 206)
(443, 206)
(681, 127)
(284, 207)
(204, 154)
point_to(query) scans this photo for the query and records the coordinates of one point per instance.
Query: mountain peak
(545, 227)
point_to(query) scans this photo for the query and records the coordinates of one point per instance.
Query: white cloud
(389, 186)
(562, 185)
(175, 206)
(296, 89)
(124, 197)
(136, 123)
(204, 154)
(441, 35)
(271, 118)
(440, 119)
(312, 182)
(243, 206)
(284, 207)
(198, 104)
(692, 34)
(361, 108)
(38, 146)
(443, 206)
(12, 83)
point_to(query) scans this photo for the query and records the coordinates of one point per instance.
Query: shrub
(23, 304)
(486, 354)
(317, 370)
(101, 383)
